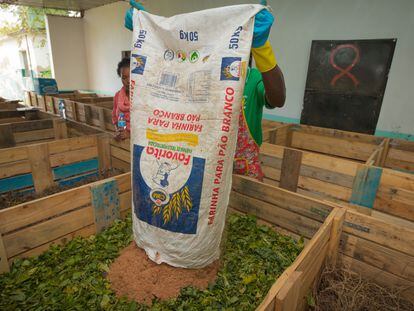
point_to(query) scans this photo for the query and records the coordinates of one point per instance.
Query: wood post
(6, 136)
(290, 170)
(73, 107)
(4, 264)
(104, 152)
(288, 298)
(88, 114)
(102, 118)
(105, 202)
(61, 130)
(334, 239)
(30, 114)
(40, 166)
(384, 153)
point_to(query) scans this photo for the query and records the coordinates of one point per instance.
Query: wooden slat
(105, 203)
(283, 218)
(40, 167)
(38, 210)
(121, 165)
(73, 156)
(83, 232)
(33, 125)
(290, 169)
(102, 124)
(377, 255)
(4, 263)
(61, 131)
(71, 144)
(333, 146)
(124, 182)
(34, 236)
(378, 276)
(13, 154)
(366, 183)
(296, 203)
(334, 239)
(88, 114)
(288, 296)
(6, 136)
(104, 152)
(382, 232)
(14, 168)
(121, 154)
(34, 135)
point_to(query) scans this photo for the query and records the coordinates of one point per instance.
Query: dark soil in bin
(13, 198)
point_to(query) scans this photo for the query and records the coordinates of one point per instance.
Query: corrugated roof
(75, 5)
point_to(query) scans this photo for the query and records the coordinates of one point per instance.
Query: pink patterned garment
(121, 104)
(246, 159)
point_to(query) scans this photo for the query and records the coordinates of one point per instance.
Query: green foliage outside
(73, 277)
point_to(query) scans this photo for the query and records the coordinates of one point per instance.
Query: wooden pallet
(396, 154)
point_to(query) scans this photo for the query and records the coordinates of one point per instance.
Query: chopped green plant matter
(73, 277)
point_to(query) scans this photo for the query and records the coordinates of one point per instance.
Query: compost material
(136, 277)
(344, 290)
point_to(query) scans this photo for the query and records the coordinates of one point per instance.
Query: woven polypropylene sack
(187, 79)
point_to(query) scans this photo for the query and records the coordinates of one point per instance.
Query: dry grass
(343, 290)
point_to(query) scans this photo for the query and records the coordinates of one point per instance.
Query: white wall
(105, 38)
(67, 45)
(298, 22)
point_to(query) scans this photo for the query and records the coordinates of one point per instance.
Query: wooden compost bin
(30, 228)
(383, 192)
(41, 130)
(397, 154)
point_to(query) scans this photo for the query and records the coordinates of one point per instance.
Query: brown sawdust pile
(135, 276)
(344, 290)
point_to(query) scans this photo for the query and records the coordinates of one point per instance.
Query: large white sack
(187, 79)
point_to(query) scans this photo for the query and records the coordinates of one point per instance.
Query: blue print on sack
(155, 203)
(230, 68)
(138, 64)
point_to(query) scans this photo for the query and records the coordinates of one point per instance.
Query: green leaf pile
(73, 277)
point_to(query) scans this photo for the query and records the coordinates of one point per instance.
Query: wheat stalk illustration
(175, 207)
(186, 199)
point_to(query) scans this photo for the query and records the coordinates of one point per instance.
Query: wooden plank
(395, 201)
(4, 263)
(333, 146)
(88, 114)
(366, 185)
(16, 183)
(14, 168)
(104, 152)
(40, 166)
(71, 144)
(61, 131)
(73, 156)
(393, 236)
(283, 218)
(102, 124)
(335, 237)
(288, 296)
(125, 201)
(34, 135)
(296, 203)
(121, 165)
(83, 232)
(124, 182)
(378, 276)
(121, 154)
(38, 210)
(74, 169)
(290, 169)
(377, 255)
(105, 202)
(49, 230)
(6, 136)
(32, 125)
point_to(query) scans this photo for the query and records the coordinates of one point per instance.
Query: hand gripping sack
(187, 79)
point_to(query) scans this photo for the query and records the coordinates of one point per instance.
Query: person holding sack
(264, 87)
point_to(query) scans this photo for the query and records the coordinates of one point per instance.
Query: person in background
(121, 110)
(264, 87)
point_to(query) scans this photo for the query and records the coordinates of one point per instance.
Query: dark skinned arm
(274, 85)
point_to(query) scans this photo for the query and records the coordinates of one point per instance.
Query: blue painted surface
(409, 137)
(366, 183)
(16, 182)
(105, 201)
(71, 181)
(272, 117)
(73, 169)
